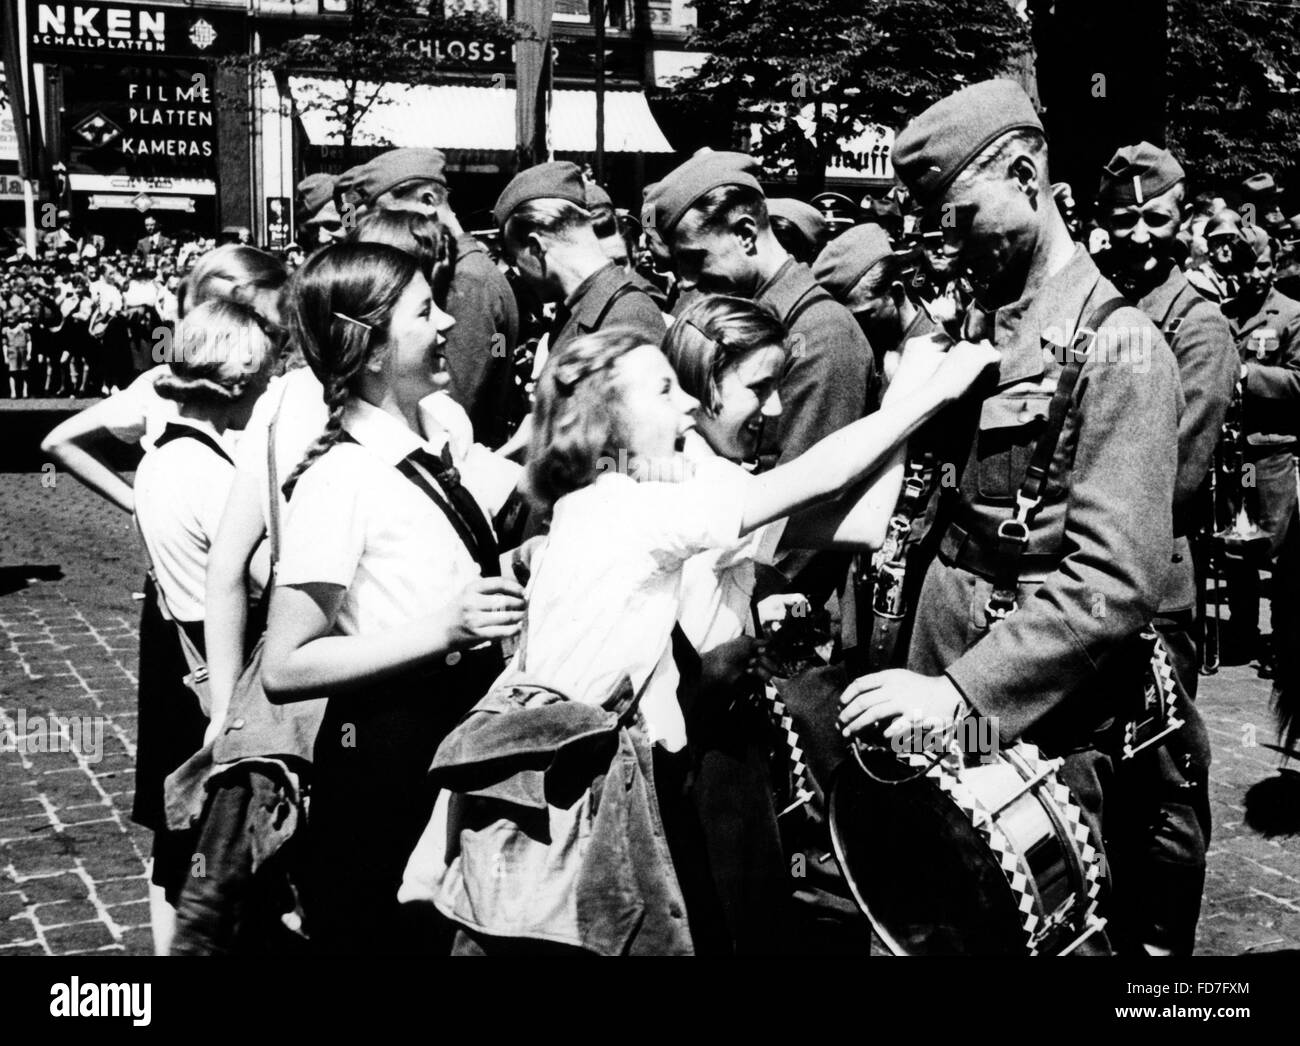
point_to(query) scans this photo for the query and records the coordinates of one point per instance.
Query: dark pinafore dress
(371, 797)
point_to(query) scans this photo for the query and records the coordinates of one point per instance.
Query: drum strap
(887, 569)
(1013, 533)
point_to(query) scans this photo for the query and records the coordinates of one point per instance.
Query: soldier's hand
(915, 704)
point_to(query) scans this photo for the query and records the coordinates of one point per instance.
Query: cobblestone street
(72, 866)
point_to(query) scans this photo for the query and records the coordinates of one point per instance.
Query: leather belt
(979, 555)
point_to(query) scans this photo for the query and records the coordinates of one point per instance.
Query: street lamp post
(598, 19)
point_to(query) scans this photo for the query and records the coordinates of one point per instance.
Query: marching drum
(952, 857)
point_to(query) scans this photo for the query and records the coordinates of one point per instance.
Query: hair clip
(355, 323)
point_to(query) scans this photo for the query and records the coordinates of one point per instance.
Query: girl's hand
(733, 663)
(917, 362)
(487, 608)
(774, 609)
(964, 364)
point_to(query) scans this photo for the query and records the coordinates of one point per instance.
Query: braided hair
(340, 303)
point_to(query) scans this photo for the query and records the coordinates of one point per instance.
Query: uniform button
(238, 724)
(675, 910)
(1178, 557)
(453, 658)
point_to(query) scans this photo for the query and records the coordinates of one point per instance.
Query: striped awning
(448, 116)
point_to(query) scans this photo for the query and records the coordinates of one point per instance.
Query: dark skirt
(371, 800)
(171, 723)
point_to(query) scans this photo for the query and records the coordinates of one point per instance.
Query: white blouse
(355, 521)
(606, 587)
(718, 585)
(180, 492)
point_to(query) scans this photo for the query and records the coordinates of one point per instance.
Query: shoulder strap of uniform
(619, 292)
(174, 432)
(1013, 533)
(1193, 298)
(812, 296)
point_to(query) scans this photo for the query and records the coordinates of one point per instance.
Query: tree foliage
(854, 64)
(1233, 88)
(379, 44)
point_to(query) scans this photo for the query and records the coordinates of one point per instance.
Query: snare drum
(951, 857)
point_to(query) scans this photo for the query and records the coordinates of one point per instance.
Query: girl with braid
(387, 599)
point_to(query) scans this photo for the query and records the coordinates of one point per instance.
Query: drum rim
(1063, 812)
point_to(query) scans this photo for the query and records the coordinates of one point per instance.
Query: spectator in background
(153, 242)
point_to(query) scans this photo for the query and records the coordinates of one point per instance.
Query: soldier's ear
(746, 228)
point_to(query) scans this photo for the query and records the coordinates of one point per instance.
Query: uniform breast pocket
(1009, 430)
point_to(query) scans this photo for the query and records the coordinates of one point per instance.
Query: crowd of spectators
(81, 318)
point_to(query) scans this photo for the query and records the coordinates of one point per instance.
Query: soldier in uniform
(1140, 205)
(548, 236)
(1266, 326)
(480, 347)
(1035, 626)
(864, 274)
(319, 223)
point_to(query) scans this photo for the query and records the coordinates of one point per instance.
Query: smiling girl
(381, 600)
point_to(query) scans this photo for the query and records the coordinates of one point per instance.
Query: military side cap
(1259, 185)
(1136, 173)
(803, 216)
(558, 180)
(314, 192)
(346, 193)
(597, 197)
(846, 259)
(698, 176)
(397, 167)
(941, 143)
(1257, 239)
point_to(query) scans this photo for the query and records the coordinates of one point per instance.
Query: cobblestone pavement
(72, 866)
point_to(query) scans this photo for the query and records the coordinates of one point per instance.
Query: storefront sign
(156, 121)
(277, 222)
(59, 31)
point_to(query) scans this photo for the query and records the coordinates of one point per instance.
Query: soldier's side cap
(1136, 173)
(1258, 185)
(1257, 239)
(803, 216)
(701, 174)
(939, 144)
(848, 257)
(346, 192)
(597, 196)
(314, 192)
(397, 167)
(558, 180)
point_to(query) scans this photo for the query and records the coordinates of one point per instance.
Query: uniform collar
(920, 326)
(1028, 333)
(1159, 302)
(589, 298)
(786, 287)
(442, 423)
(468, 244)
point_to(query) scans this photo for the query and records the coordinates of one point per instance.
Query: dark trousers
(1272, 503)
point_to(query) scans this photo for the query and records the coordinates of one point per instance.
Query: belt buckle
(998, 608)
